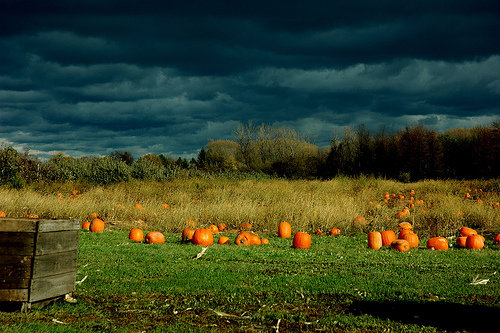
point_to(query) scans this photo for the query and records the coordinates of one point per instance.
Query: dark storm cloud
(90, 77)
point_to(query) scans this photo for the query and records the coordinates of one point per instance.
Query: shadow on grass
(441, 315)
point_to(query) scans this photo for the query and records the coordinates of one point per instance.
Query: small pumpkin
(264, 241)
(136, 235)
(203, 237)
(223, 240)
(214, 229)
(86, 225)
(187, 235)
(374, 240)
(302, 240)
(319, 232)
(255, 239)
(335, 231)
(154, 237)
(464, 231)
(403, 232)
(2, 214)
(222, 227)
(138, 206)
(97, 225)
(93, 215)
(401, 245)
(405, 226)
(388, 236)
(461, 241)
(474, 241)
(246, 226)
(359, 221)
(284, 230)
(437, 243)
(496, 240)
(412, 239)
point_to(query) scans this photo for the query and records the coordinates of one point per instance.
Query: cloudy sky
(164, 77)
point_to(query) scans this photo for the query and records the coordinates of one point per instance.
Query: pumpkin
(97, 225)
(302, 240)
(187, 235)
(203, 237)
(2, 214)
(388, 236)
(403, 232)
(138, 206)
(86, 225)
(190, 223)
(405, 226)
(154, 237)
(319, 232)
(222, 227)
(284, 230)
(374, 240)
(214, 229)
(474, 241)
(93, 215)
(496, 240)
(223, 240)
(359, 221)
(461, 241)
(255, 239)
(165, 205)
(401, 245)
(464, 231)
(246, 226)
(412, 239)
(264, 241)
(335, 231)
(437, 243)
(136, 235)
(243, 238)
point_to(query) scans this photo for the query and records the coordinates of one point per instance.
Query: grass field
(337, 285)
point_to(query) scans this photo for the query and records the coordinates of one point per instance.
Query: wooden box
(38, 259)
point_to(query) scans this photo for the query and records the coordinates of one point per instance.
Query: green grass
(336, 285)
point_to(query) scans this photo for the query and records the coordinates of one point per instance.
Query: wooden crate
(38, 259)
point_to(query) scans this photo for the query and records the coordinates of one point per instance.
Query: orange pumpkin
(437, 243)
(474, 242)
(214, 229)
(154, 237)
(359, 221)
(388, 236)
(374, 240)
(136, 235)
(165, 205)
(403, 232)
(203, 237)
(302, 240)
(412, 239)
(335, 231)
(190, 223)
(246, 226)
(222, 227)
(319, 232)
(86, 225)
(496, 240)
(93, 215)
(97, 225)
(187, 235)
(284, 230)
(405, 226)
(401, 245)
(243, 238)
(464, 231)
(2, 214)
(264, 241)
(461, 241)
(138, 206)
(223, 240)
(255, 239)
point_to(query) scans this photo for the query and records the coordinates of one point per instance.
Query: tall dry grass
(307, 205)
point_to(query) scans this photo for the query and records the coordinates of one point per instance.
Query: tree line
(410, 154)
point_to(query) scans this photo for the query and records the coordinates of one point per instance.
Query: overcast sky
(164, 77)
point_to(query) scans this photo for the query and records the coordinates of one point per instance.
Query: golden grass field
(307, 205)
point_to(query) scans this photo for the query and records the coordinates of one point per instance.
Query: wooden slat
(58, 225)
(17, 225)
(14, 295)
(15, 267)
(53, 264)
(55, 242)
(52, 286)
(15, 284)
(17, 243)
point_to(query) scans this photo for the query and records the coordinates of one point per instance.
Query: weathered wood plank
(14, 295)
(15, 284)
(52, 286)
(58, 225)
(17, 243)
(15, 267)
(53, 264)
(17, 225)
(54, 242)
